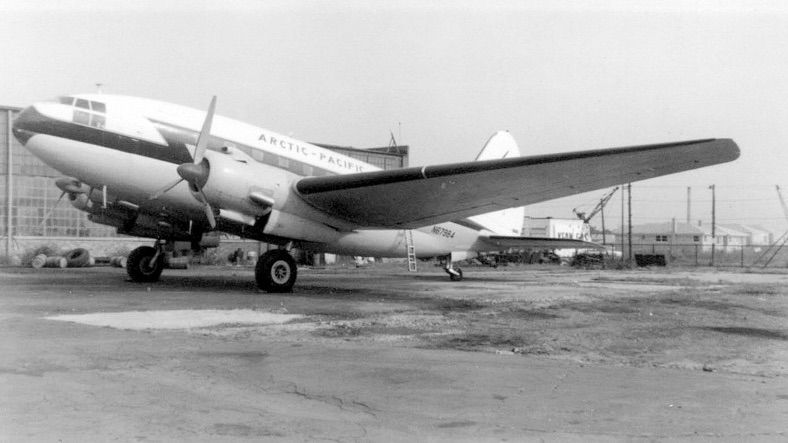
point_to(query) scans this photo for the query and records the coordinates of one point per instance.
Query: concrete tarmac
(384, 355)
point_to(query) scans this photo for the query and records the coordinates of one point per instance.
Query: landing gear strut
(276, 271)
(145, 263)
(455, 274)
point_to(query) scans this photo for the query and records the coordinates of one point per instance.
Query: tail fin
(508, 221)
(500, 145)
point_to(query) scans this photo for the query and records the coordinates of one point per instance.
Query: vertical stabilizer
(500, 145)
(508, 221)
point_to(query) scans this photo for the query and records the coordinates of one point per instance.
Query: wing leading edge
(419, 196)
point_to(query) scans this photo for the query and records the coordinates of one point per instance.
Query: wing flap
(414, 197)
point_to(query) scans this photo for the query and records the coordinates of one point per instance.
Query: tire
(276, 271)
(137, 265)
(77, 258)
(457, 277)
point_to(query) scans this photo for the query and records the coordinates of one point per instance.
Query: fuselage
(123, 149)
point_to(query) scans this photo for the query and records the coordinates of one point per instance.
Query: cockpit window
(88, 113)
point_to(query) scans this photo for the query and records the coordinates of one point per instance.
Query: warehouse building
(30, 215)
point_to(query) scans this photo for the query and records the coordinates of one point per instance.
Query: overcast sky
(443, 76)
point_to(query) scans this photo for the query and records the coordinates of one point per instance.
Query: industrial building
(28, 195)
(571, 228)
(687, 236)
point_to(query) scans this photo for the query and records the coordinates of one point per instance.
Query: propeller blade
(205, 133)
(207, 208)
(209, 214)
(51, 210)
(165, 189)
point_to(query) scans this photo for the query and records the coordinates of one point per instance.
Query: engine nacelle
(246, 187)
(142, 226)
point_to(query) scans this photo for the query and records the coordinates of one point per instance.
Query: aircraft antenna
(98, 88)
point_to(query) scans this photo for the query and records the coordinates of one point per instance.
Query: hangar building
(28, 193)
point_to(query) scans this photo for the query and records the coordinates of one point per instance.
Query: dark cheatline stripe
(30, 122)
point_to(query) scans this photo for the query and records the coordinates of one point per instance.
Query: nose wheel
(276, 271)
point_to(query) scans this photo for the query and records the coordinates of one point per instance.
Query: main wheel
(457, 276)
(139, 268)
(276, 271)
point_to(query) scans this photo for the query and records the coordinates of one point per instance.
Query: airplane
(173, 173)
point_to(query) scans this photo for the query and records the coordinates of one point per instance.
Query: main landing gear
(276, 271)
(145, 263)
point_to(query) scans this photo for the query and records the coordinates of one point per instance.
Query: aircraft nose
(28, 123)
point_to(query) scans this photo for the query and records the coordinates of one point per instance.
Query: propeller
(69, 186)
(197, 172)
(52, 209)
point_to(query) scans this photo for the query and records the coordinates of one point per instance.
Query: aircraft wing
(508, 241)
(420, 196)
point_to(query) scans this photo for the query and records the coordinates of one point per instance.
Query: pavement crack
(333, 400)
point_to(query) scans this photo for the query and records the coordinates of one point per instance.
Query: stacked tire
(78, 258)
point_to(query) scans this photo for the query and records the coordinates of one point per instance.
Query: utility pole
(622, 224)
(713, 222)
(602, 214)
(9, 197)
(629, 208)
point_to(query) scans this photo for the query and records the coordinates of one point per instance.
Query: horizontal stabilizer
(508, 241)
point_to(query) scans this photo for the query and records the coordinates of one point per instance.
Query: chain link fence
(773, 256)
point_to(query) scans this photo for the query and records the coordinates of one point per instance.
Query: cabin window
(66, 100)
(283, 162)
(82, 103)
(662, 238)
(98, 107)
(696, 238)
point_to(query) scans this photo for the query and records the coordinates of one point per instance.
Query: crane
(775, 247)
(598, 208)
(782, 201)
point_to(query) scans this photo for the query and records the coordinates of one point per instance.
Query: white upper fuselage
(132, 146)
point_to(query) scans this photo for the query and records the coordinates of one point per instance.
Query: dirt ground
(508, 354)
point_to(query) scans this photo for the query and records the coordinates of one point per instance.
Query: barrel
(55, 262)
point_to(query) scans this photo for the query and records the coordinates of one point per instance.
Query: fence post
(696, 255)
